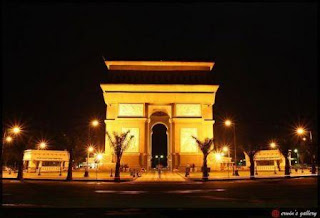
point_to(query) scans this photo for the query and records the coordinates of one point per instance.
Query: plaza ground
(153, 176)
(76, 175)
(262, 193)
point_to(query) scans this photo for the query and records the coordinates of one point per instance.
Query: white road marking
(105, 191)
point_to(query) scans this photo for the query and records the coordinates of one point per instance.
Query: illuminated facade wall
(185, 110)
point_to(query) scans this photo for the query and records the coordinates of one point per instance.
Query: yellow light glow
(273, 145)
(218, 156)
(99, 156)
(300, 131)
(225, 149)
(42, 145)
(16, 130)
(228, 122)
(95, 123)
(90, 149)
(295, 150)
(8, 139)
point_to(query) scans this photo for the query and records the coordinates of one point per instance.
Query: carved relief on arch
(160, 114)
(159, 110)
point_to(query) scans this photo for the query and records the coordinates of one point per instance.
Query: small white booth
(267, 160)
(47, 160)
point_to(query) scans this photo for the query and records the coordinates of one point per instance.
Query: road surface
(271, 193)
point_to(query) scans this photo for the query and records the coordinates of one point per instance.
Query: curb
(185, 178)
(74, 180)
(254, 178)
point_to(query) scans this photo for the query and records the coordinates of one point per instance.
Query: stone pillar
(170, 150)
(149, 145)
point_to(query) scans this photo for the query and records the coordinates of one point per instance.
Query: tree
(119, 144)
(69, 144)
(284, 147)
(312, 151)
(206, 147)
(251, 151)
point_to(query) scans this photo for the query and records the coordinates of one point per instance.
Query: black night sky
(265, 55)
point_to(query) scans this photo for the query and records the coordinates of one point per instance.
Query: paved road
(294, 193)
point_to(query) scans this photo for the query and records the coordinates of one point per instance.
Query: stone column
(170, 149)
(149, 145)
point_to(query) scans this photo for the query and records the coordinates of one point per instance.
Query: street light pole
(228, 161)
(86, 172)
(229, 123)
(235, 150)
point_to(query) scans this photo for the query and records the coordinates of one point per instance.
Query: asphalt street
(263, 193)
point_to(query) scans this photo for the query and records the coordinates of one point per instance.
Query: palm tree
(284, 148)
(206, 147)
(251, 151)
(119, 144)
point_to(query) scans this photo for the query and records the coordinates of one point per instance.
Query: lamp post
(7, 139)
(228, 123)
(226, 149)
(86, 172)
(16, 130)
(94, 123)
(301, 131)
(41, 145)
(273, 145)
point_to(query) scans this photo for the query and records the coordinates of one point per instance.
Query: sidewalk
(245, 174)
(76, 176)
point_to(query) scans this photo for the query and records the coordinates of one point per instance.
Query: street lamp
(9, 139)
(273, 145)
(89, 150)
(228, 123)
(218, 156)
(16, 130)
(42, 145)
(94, 123)
(300, 131)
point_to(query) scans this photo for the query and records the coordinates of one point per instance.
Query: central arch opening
(159, 145)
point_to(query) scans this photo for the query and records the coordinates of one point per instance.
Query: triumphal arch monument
(163, 104)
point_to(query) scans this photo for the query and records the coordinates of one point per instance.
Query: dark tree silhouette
(68, 142)
(206, 147)
(251, 151)
(119, 144)
(284, 147)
